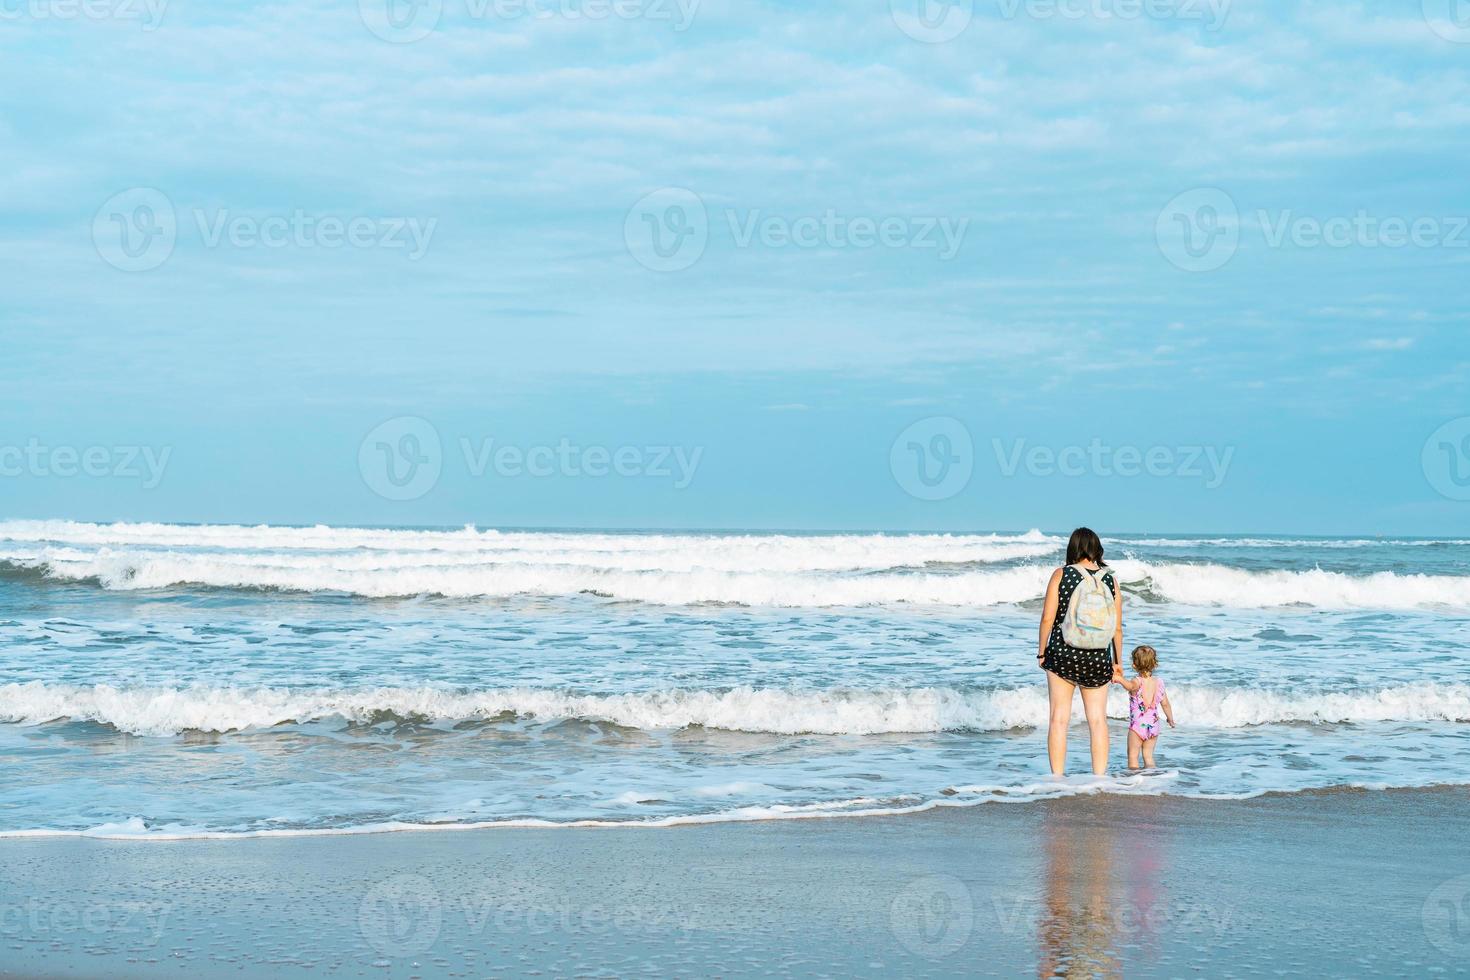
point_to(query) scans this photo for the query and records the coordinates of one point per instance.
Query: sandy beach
(1332, 883)
(641, 488)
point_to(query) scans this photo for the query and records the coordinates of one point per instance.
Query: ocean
(173, 681)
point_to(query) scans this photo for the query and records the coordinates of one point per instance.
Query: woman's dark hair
(1085, 545)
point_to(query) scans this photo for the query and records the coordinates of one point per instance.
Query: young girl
(1146, 696)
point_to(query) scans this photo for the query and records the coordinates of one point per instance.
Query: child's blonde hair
(1145, 659)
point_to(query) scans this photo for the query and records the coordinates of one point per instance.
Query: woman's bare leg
(1095, 705)
(1134, 744)
(1059, 693)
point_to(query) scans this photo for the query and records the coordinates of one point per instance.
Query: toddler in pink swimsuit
(1145, 697)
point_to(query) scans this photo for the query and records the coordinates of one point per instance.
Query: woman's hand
(1117, 673)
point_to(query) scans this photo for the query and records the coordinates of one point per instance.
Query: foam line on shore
(1153, 784)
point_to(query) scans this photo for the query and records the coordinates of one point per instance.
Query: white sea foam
(751, 570)
(326, 538)
(1220, 585)
(1288, 542)
(136, 828)
(1190, 584)
(750, 588)
(367, 548)
(167, 711)
(1157, 783)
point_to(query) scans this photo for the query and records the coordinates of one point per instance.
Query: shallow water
(170, 680)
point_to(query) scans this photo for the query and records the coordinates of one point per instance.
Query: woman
(1068, 667)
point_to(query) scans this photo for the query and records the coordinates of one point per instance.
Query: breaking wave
(162, 711)
(851, 570)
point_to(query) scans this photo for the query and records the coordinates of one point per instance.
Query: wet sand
(1334, 883)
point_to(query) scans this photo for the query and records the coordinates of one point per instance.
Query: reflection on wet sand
(1097, 895)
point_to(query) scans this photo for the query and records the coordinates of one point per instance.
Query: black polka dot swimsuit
(1085, 668)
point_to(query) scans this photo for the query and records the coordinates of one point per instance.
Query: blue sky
(863, 234)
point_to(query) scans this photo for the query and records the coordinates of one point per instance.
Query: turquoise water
(172, 680)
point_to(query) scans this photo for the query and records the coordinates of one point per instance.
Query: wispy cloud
(837, 144)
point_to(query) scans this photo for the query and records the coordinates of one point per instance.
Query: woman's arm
(1048, 614)
(1118, 636)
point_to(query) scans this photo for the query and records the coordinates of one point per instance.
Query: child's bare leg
(1134, 743)
(1148, 752)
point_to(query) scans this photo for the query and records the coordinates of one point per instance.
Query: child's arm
(1129, 686)
(1168, 710)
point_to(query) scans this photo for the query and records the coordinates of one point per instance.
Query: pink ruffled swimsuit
(1143, 719)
